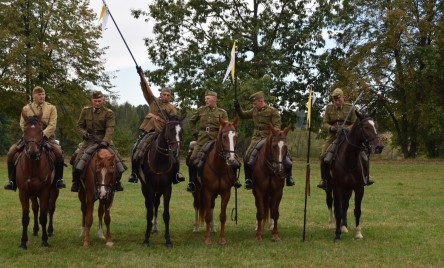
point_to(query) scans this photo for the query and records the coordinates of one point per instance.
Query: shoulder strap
(30, 106)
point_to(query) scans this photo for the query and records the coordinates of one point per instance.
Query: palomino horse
(35, 175)
(268, 179)
(158, 171)
(347, 172)
(218, 177)
(98, 183)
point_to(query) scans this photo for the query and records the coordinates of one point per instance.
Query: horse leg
(337, 201)
(83, 209)
(149, 197)
(88, 220)
(54, 194)
(359, 194)
(275, 201)
(166, 216)
(207, 201)
(25, 219)
(101, 211)
(196, 221)
(35, 210)
(345, 205)
(43, 218)
(155, 229)
(260, 213)
(225, 198)
(212, 224)
(107, 206)
(329, 201)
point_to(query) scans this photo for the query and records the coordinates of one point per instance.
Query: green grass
(402, 223)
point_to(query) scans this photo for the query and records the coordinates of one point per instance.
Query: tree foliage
(394, 51)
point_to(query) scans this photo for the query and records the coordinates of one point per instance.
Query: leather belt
(97, 132)
(262, 128)
(209, 129)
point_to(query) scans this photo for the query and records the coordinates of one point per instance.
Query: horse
(98, 183)
(217, 177)
(268, 175)
(35, 176)
(346, 172)
(157, 174)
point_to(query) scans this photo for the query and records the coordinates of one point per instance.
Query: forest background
(393, 51)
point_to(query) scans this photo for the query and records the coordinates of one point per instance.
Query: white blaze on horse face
(231, 136)
(371, 122)
(281, 154)
(178, 128)
(102, 187)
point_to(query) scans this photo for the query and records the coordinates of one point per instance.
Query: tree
(276, 43)
(394, 49)
(51, 44)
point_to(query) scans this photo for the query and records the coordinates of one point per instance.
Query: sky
(117, 57)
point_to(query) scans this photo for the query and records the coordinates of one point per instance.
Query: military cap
(256, 96)
(97, 95)
(337, 93)
(166, 89)
(38, 89)
(210, 93)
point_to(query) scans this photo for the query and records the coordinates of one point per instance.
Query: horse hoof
(276, 239)
(258, 238)
(344, 229)
(222, 242)
(146, 244)
(109, 244)
(208, 242)
(23, 247)
(45, 244)
(169, 245)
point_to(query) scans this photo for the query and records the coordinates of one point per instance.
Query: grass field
(402, 222)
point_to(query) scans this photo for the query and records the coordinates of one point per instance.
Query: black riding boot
(192, 173)
(248, 181)
(11, 185)
(324, 176)
(133, 177)
(75, 181)
(179, 177)
(236, 182)
(289, 180)
(60, 184)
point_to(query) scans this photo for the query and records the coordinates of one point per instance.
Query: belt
(209, 129)
(97, 132)
(262, 128)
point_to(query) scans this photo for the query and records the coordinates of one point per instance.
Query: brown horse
(268, 179)
(98, 183)
(35, 174)
(346, 171)
(158, 171)
(218, 177)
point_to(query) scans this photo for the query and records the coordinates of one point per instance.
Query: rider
(335, 118)
(153, 122)
(96, 125)
(49, 120)
(262, 115)
(206, 123)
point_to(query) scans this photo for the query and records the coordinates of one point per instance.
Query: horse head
(276, 149)
(33, 135)
(369, 130)
(227, 140)
(105, 169)
(172, 134)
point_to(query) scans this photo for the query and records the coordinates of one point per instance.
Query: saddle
(142, 147)
(250, 159)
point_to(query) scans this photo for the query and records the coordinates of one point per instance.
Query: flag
(232, 64)
(309, 104)
(103, 18)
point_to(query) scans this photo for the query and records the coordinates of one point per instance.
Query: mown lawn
(402, 222)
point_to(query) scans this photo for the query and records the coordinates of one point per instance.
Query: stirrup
(75, 187)
(133, 178)
(237, 184)
(191, 187)
(322, 184)
(10, 186)
(119, 186)
(289, 181)
(60, 184)
(248, 184)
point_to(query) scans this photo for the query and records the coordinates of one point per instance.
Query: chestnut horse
(218, 177)
(346, 171)
(158, 171)
(98, 183)
(268, 175)
(35, 175)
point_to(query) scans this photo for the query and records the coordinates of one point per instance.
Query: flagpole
(106, 6)
(235, 97)
(307, 170)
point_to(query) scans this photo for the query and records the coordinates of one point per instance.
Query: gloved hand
(333, 129)
(86, 136)
(102, 145)
(236, 105)
(139, 69)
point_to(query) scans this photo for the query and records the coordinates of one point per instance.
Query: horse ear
(287, 129)
(358, 114)
(236, 120)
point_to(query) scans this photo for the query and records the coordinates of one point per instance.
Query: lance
(307, 170)
(135, 62)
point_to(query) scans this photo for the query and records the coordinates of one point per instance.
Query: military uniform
(261, 119)
(49, 120)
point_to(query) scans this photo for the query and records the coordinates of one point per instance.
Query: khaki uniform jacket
(335, 116)
(206, 121)
(261, 118)
(150, 122)
(49, 117)
(100, 121)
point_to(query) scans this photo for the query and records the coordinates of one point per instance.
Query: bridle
(275, 165)
(169, 142)
(221, 150)
(366, 144)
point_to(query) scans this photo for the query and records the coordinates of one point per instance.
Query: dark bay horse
(347, 172)
(35, 175)
(158, 171)
(268, 174)
(217, 178)
(98, 183)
